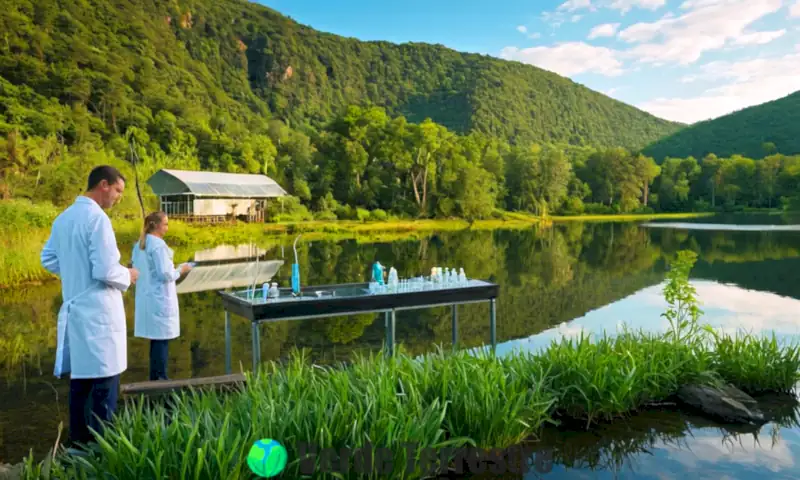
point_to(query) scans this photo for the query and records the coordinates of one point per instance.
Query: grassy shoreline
(622, 217)
(23, 236)
(20, 265)
(439, 400)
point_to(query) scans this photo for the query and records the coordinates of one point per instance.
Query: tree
(646, 170)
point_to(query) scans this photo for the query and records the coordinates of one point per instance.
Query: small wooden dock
(161, 387)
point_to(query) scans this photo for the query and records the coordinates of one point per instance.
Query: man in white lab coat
(92, 332)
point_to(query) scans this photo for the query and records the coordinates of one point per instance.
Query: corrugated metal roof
(214, 184)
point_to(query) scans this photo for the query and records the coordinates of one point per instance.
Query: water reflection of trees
(546, 276)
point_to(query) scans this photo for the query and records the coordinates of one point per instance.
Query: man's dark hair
(104, 172)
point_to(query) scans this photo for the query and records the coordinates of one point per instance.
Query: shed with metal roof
(214, 196)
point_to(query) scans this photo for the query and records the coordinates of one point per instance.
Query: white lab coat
(82, 250)
(157, 316)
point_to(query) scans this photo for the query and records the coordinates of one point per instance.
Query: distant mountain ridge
(772, 127)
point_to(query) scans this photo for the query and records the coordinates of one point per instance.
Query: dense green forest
(772, 127)
(368, 165)
(222, 68)
(353, 130)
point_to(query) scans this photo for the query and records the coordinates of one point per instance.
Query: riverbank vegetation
(443, 399)
(25, 226)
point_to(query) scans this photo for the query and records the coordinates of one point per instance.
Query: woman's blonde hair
(151, 222)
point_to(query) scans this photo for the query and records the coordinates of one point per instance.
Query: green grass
(756, 364)
(628, 217)
(443, 399)
(438, 400)
(614, 376)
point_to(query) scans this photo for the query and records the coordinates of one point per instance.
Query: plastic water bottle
(462, 277)
(264, 289)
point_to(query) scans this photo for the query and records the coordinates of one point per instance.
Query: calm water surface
(573, 278)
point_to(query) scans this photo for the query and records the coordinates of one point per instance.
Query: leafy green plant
(683, 312)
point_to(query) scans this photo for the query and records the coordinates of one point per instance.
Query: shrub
(379, 215)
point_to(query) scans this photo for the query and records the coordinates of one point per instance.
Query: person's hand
(134, 274)
(185, 268)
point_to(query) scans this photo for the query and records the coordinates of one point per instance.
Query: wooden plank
(166, 386)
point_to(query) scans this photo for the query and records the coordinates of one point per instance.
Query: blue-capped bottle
(377, 273)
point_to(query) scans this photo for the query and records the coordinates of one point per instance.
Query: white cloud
(759, 38)
(707, 25)
(524, 30)
(795, 10)
(576, 18)
(704, 449)
(568, 58)
(604, 30)
(573, 5)
(748, 83)
(624, 6)
(643, 32)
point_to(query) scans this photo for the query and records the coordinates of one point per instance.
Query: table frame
(387, 303)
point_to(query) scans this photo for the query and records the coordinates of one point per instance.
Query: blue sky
(684, 60)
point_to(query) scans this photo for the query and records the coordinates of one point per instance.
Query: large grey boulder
(724, 402)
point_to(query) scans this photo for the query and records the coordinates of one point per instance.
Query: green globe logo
(267, 458)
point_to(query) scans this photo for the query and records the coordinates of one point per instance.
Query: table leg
(390, 322)
(254, 332)
(455, 325)
(227, 342)
(493, 322)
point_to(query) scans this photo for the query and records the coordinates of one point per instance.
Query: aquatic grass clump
(756, 364)
(438, 400)
(372, 402)
(613, 376)
(342, 407)
(192, 438)
(488, 400)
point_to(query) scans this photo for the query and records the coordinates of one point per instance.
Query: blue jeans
(159, 354)
(91, 400)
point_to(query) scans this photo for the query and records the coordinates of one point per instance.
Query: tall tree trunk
(425, 190)
(713, 195)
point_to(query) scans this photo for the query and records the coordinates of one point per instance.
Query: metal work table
(351, 299)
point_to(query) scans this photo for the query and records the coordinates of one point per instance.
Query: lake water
(571, 278)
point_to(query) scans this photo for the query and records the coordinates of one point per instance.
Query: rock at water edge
(725, 403)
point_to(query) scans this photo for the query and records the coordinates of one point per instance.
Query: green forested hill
(772, 127)
(90, 68)
(351, 129)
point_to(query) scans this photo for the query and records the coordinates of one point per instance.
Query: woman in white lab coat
(157, 317)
